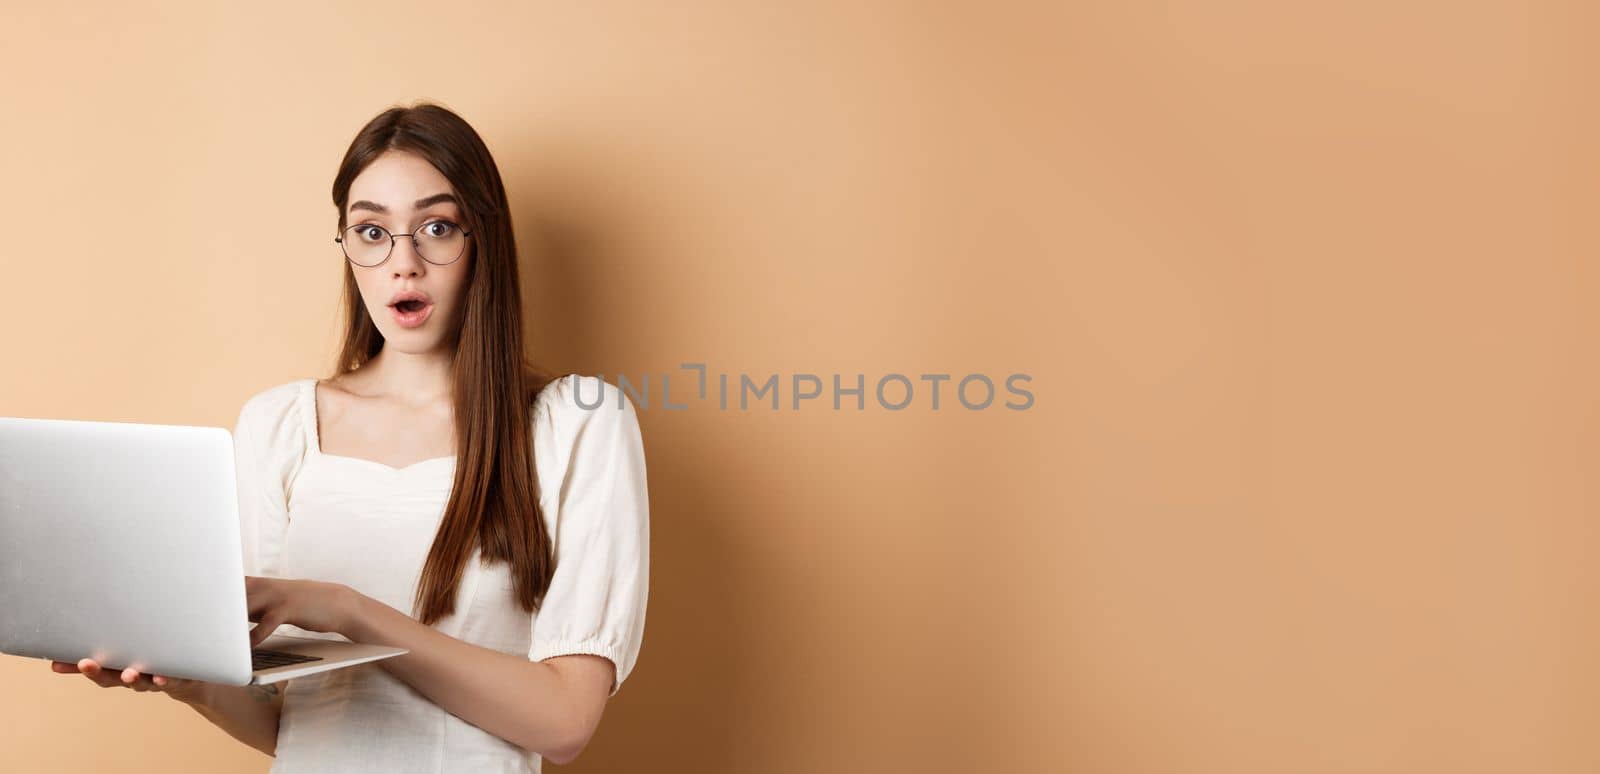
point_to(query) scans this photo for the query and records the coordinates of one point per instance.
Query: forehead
(396, 179)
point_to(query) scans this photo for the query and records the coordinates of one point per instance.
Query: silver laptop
(120, 542)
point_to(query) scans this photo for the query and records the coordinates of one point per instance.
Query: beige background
(1306, 295)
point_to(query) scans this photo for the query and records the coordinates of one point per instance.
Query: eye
(439, 229)
(370, 233)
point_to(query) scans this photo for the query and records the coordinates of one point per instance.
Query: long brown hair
(494, 504)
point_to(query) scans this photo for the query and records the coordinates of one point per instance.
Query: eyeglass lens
(438, 242)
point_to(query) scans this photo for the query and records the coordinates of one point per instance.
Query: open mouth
(411, 313)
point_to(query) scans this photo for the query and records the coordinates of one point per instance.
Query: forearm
(248, 713)
(523, 702)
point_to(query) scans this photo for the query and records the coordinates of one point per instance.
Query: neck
(411, 377)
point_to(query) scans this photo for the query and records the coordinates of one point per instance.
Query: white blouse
(327, 517)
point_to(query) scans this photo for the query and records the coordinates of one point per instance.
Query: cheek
(458, 289)
(370, 296)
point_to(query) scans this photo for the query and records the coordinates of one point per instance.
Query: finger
(99, 676)
(63, 667)
(258, 605)
(258, 595)
(138, 681)
(175, 685)
(264, 629)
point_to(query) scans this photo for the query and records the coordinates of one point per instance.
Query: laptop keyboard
(267, 659)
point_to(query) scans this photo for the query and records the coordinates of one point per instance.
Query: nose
(406, 262)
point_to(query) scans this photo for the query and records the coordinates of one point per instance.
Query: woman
(434, 445)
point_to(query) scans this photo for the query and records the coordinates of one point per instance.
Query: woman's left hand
(311, 605)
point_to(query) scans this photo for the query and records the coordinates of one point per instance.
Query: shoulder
(579, 398)
(577, 406)
(273, 414)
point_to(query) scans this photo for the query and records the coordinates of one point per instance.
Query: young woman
(437, 494)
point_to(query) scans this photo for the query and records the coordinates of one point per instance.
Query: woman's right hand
(184, 690)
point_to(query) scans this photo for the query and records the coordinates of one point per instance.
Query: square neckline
(308, 395)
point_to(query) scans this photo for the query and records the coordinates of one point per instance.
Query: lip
(411, 319)
(410, 295)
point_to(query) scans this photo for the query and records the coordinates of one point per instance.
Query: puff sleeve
(596, 600)
(263, 513)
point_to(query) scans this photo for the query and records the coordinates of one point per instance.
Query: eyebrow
(426, 201)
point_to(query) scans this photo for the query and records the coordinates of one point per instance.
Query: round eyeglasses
(439, 242)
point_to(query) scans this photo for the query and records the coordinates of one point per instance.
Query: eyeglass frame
(392, 237)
